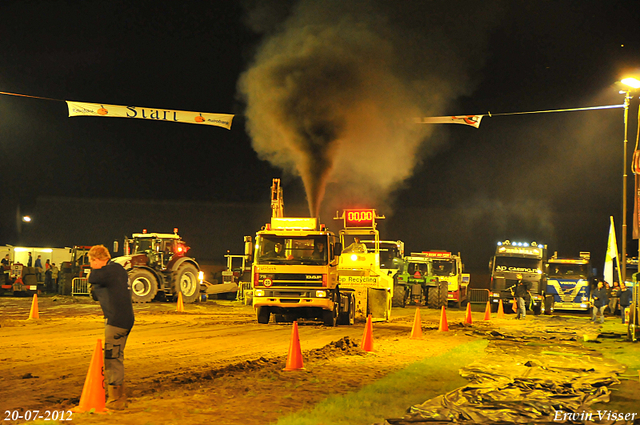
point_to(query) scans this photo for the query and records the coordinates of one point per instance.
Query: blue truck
(569, 282)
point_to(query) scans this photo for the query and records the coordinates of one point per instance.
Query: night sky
(362, 70)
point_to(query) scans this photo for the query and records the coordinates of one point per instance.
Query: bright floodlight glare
(631, 82)
(26, 219)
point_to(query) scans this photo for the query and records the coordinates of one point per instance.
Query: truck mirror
(337, 250)
(115, 246)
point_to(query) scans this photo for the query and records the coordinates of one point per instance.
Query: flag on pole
(612, 253)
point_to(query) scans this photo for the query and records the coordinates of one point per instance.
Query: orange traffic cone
(367, 337)
(500, 311)
(34, 314)
(93, 398)
(180, 307)
(294, 361)
(416, 332)
(467, 319)
(487, 312)
(444, 326)
(514, 306)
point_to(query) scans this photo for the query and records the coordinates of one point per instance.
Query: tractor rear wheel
(399, 296)
(144, 285)
(432, 293)
(187, 283)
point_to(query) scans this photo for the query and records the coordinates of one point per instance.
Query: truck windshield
(568, 271)
(272, 249)
(444, 268)
(516, 264)
(390, 257)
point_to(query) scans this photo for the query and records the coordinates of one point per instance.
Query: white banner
(103, 110)
(472, 120)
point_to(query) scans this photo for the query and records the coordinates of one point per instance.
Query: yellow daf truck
(295, 273)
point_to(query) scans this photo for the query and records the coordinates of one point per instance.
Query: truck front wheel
(187, 283)
(330, 317)
(263, 314)
(144, 285)
(444, 293)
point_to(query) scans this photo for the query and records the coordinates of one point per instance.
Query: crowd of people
(615, 298)
(47, 273)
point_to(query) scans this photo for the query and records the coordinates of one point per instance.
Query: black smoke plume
(335, 85)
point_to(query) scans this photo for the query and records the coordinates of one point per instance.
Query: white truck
(363, 267)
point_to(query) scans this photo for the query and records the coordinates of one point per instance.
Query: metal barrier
(478, 296)
(79, 286)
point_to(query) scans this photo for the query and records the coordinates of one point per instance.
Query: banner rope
(590, 108)
(32, 97)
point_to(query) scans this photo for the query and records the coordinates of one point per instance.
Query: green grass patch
(392, 395)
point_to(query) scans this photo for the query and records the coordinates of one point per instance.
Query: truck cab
(518, 258)
(295, 274)
(448, 267)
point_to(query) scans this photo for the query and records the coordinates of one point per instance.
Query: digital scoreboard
(361, 218)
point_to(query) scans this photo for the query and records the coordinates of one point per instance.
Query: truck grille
(295, 280)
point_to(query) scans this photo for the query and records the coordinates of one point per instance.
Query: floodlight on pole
(631, 82)
(26, 219)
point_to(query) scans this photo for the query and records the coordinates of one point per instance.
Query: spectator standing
(30, 260)
(38, 266)
(600, 301)
(109, 286)
(54, 277)
(520, 293)
(626, 296)
(6, 266)
(48, 285)
(613, 294)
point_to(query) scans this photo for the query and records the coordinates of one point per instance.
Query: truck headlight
(321, 294)
(259, 292)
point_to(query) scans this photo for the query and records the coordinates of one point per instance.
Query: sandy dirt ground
(211, 364)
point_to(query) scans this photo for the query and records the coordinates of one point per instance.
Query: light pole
(623, 254)
(633, 84)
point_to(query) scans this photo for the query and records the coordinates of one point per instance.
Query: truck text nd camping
(512, 259)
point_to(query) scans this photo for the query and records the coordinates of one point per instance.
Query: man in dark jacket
(626, 296)
(110, 286)
(600, 301)
(520, 293)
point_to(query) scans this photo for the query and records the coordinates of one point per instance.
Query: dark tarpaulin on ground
(527, 376)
